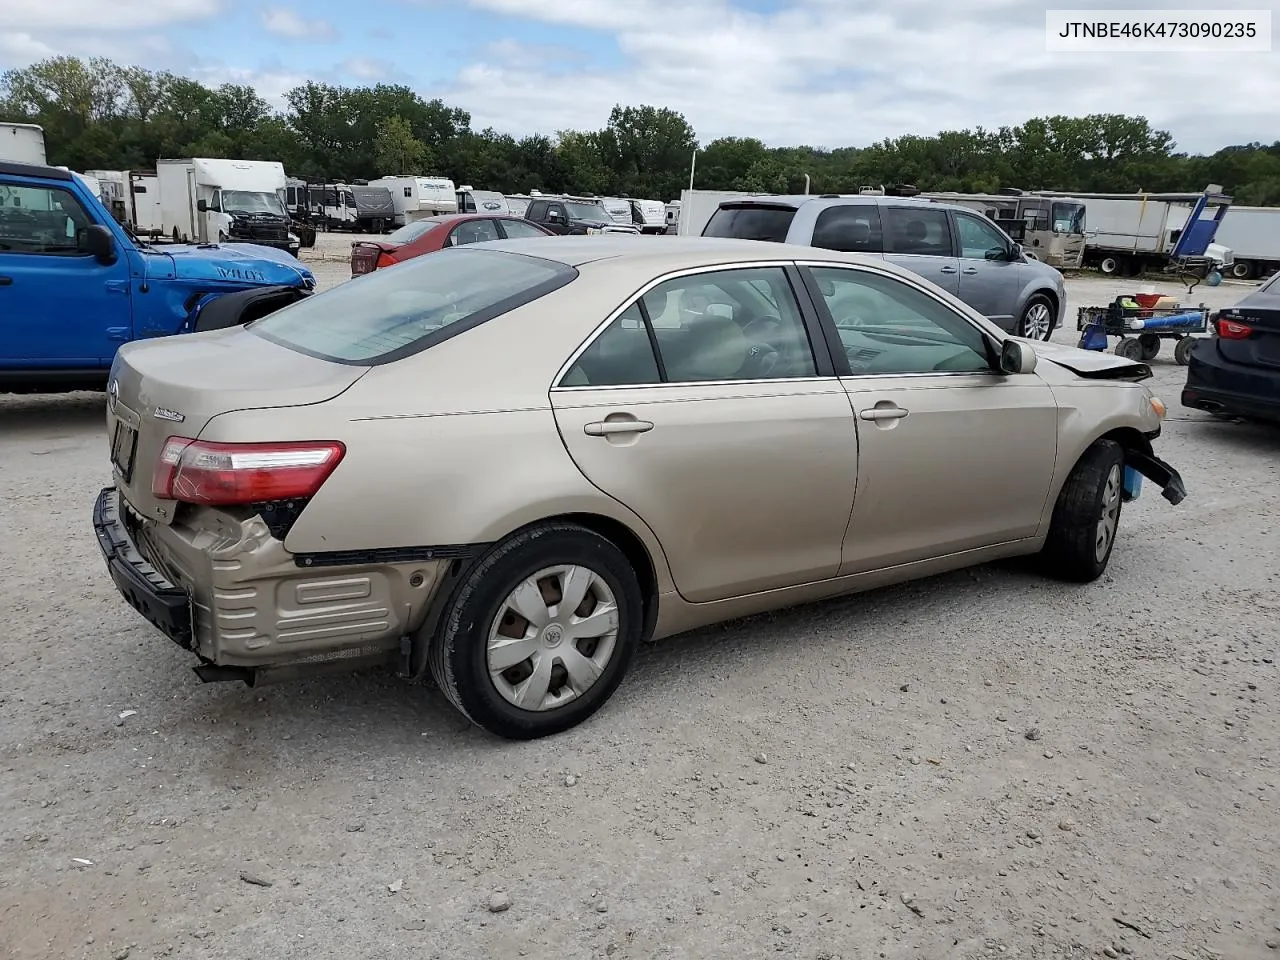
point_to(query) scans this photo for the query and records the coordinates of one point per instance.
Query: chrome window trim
(557, 381)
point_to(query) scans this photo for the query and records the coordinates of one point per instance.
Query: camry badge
(161, 413)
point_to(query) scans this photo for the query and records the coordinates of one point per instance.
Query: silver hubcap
(1110, 518)
(552, 638)
(1037, 323)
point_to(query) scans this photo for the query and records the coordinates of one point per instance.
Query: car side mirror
(202, 206)
(99, 241)
(1014, 253)
(1017, 358)
(553, 215)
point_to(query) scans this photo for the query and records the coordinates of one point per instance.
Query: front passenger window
(888, 327)
(979, 240)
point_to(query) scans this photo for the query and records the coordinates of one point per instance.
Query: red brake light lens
(224, 474)
(385, 260)
(1232, 330)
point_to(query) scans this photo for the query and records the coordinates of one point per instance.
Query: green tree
(398, 150)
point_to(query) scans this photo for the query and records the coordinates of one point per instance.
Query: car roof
(666, 253)
(798, 200)
(33, 170)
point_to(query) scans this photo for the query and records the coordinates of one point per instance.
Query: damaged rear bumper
(226, 589)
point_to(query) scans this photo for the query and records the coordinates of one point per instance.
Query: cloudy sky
(821, 72)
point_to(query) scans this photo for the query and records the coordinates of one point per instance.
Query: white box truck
(1128, 233)
(225, 201)
(22, 143)
(416, 198)
(1253, 234)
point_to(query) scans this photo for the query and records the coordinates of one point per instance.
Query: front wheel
(1086, 517)
(1037, 319)
(540, 632)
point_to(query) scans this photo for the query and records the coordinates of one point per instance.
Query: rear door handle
(883, 413)
(971, 270)
(6, 281)
(605, 428)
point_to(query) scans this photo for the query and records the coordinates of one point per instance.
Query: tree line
(100, 115)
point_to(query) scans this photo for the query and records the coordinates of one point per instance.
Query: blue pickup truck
(74, 285)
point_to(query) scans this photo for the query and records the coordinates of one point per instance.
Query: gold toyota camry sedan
(507, 465)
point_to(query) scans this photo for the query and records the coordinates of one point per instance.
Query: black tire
(1109, 265)
(457, 655)
(1037, 301)
(1182, 352)
(1129, 348)
(1070, 551)
(1150, 345)
(1242, 270)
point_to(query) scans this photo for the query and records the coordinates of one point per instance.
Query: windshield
(392, 314)
(586, 211)
(1068, 218)
(244, 201)
(751, 222)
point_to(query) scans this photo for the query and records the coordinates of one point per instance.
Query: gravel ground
(982, 764)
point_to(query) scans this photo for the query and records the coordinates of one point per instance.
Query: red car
(435, 233)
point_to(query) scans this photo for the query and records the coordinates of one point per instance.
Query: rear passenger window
(849, 228)
(621, 356)
(917, 230)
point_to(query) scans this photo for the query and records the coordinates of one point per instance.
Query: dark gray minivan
(954, 247)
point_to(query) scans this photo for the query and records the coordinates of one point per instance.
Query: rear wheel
(1150, 345)
(1182, 352)
(1086, 517)
(540, 632)
(1129, 348)
(1109, 265)
(1242, 270)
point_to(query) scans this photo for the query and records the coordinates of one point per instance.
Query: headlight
(595, 230)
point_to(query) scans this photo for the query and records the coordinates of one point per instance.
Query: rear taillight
(223, 474)
(1232, 330)
(384, 260)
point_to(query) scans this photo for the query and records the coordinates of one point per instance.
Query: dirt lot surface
(980, 765)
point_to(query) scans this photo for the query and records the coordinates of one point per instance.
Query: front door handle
(883, 413)
(605, 428)
(6, 281)
(947, 270)
(970, 269)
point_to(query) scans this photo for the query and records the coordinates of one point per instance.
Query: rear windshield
(751, 222)
(411, 231)
(393, 313)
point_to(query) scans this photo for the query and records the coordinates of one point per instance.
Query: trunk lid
(1090, 364)
(365, 254)
(173, 386)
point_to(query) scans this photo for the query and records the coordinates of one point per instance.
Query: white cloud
(115, 15)
(851, 72)
(364, 68)
(288, 23)
(23, 48)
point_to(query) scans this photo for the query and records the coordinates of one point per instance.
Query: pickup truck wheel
(1086, 517)
(539, 633)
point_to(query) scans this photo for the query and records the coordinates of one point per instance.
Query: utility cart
(1141, 323)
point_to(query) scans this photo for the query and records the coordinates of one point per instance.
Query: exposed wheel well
(1129, 439)
(1053, 301)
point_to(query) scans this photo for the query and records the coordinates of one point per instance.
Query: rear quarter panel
(455, 445)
